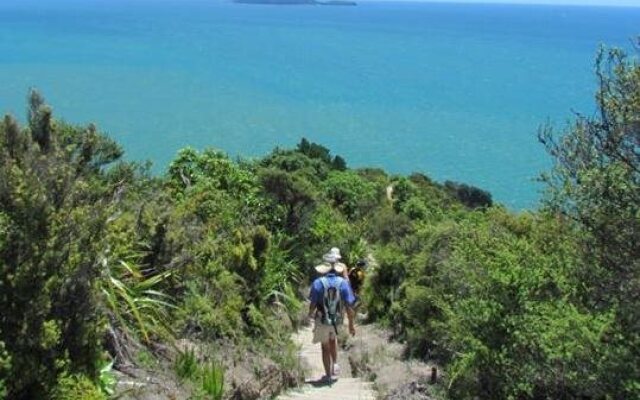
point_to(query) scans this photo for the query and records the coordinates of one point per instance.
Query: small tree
(596, 183)
(52, 219)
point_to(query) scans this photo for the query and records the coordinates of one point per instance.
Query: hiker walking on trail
(356, 277)
(330, 299)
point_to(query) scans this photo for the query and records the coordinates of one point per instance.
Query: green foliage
(382, 292)
(213, 309)
(328, 225)
(595, 184)
(134, 301)
(470, 196)
(317, 151)
(146, 359)
(106, 379)
(529, 306)
(386, 226)
(5, 367)
(281, 279)
(339, 163)
(290, 193)
(515, 327)
(212, 380)
(76, 387)
(186, 364)
(246, 257)
(403, 190)
(493, 297)
(350, 193)
(40, 121)
(86, 148)
(209, 376)
(53, 217)
(312, 169)
(213, 171)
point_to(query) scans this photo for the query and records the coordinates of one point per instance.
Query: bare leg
(333, 351)
(326, 357)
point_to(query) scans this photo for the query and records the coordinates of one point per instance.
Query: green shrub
(514, 327)
(55, 205)
(595, 185)
(293, 193)
(386, 225)
(186, 364)
(312, 169)
(146, 359)
(470, 196)
(106, 379)
(76, 387)
(213, 309)
(134, 301)
(382, 290)
(5, 367)
(209, 377)
(212, 380)
(350, 193)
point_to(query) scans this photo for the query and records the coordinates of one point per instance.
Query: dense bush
(596, 185)
(350, 193)
(98, 259)
(54, 203)
(470, 196)
(76, 387)
(5, 367)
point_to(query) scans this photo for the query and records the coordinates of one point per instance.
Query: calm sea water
(454, 91)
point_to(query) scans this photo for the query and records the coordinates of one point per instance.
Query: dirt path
(345, 388)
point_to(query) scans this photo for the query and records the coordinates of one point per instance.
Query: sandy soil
(373, 356)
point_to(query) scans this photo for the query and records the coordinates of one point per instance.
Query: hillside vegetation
(103, 265)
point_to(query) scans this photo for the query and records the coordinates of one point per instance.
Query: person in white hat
(330, 298)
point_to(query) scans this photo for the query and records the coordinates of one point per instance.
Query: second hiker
(330, 299)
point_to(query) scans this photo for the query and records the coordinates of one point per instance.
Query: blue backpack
(332, 307)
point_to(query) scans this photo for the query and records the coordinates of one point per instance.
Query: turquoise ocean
(451, 90)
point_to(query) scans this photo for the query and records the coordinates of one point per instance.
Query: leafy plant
(133, 300)
(186, 364)
(595, 186)
(76, 387)
(212, 379)
(53, 216)
(106, 379)
(210, 376)
(5, 365)
(281, 276)
(350, 193)
(146, 359)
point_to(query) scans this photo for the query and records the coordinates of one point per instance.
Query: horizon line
(602, 4)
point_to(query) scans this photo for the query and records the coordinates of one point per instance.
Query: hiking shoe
(326, 379)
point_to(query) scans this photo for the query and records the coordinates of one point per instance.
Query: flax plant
(134, 301)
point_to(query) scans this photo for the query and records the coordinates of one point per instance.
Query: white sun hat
(331, 262)
(332, 256)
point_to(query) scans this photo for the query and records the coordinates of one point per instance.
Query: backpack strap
(325, 285)
(325, 282)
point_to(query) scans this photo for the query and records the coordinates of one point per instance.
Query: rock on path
(345, 388)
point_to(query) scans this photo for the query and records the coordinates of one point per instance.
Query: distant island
(300, 2)
(336, 3)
